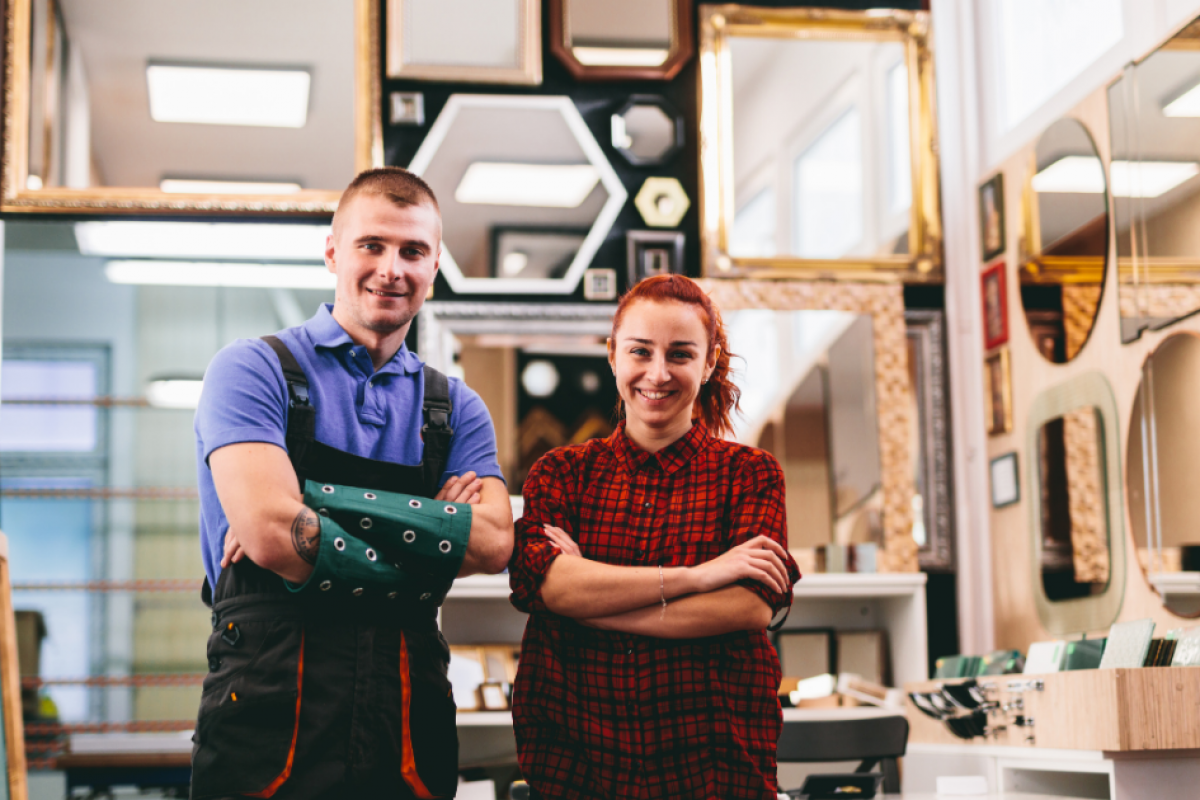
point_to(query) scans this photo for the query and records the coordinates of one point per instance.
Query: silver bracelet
(662, 591)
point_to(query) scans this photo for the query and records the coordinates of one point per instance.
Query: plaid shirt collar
(670, 459)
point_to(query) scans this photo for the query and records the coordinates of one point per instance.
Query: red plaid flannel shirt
(602, 714)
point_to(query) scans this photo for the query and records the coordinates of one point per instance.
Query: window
(754, 226)
(828, 185)
(47, 428)
(1044, 44)
(899, 156)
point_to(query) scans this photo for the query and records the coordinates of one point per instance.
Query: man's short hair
(395, 183)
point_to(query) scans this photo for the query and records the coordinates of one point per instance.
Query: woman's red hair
(718, 398)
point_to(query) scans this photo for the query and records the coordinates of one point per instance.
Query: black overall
(322, 697)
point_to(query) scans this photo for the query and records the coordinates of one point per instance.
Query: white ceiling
(117, 38)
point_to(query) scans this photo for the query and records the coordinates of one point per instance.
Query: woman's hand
(761, 559)
(233, 550)
(463, 488)
(562, 540)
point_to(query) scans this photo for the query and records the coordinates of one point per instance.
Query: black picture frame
(650, 253)
(992, 231)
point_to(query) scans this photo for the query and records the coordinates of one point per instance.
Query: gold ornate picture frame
(720, 23)
(17, 197)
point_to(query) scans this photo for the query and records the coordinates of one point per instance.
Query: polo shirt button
(371, 384)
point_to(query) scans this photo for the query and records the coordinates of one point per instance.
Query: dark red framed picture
(994, 288)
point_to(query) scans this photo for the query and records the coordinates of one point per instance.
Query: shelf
(485, 719)
(853, 712)
(856, 585)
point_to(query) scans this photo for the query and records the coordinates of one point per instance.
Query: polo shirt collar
(325, 332)
(670, 459)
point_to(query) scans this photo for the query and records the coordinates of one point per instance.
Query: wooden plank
(10, 685)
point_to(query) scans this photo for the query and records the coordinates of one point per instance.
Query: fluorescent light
(33, 182)
(272, 98)
(174, 393)
(187, 186)
(1186, 105)
(1084, 175)
(200, 240)
(219, 273)
(620, 56)
(543, 185)
(1150, 178)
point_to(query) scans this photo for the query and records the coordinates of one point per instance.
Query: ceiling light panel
(202, 240)
(1186, 105)
(219, 273)
(189, 186)
(539, 185)
(207, 95)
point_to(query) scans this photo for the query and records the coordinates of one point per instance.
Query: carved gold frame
(14, 197)
(529, 52)
(893, 395)
(717, 25)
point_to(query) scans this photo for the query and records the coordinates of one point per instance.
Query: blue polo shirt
(370, 413)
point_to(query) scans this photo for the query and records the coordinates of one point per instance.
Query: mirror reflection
(185, 102)
(646, 131)
(1161, 465)
(1070, 477)
(619, 33)
(1154, 121)
(525, 191)
(1065, 242)
(821, 168)
(808, 398)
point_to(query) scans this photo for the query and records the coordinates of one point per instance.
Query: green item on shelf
(957, 666)
(402, 546)
(1084, 654)
(1002, 662)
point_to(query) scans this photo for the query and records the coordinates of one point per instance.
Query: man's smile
(382, 293)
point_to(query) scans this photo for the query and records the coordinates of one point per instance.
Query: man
(342, 488)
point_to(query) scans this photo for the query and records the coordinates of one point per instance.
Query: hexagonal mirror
(526, 193)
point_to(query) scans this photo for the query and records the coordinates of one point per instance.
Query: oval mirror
(1065, 244)
(1160, 478)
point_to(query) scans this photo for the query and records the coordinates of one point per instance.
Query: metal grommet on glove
(357, 592)
(324, 512)
(426, 596)
(340, 544)
(393, 595)
(371, 556)
(445, 546)
(451, 510)
(410, 536)
(369, 496)
(327, 489)
(366, 523)
(326, 586)
(414, 503)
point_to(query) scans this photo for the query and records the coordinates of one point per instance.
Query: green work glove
(402, 545)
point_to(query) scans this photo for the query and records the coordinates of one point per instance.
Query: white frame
(529, 52)
(617, 195)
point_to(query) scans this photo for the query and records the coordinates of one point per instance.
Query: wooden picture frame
(16, 777)
(993, 289)
(526, 70)
(992, 231)
(998, 394)
(680, 52)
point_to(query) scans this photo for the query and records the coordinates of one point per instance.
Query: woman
(651, 563)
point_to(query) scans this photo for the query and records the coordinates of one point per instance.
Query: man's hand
(461, 489)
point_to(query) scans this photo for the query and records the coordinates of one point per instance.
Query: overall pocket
(430, 734)
(245, 739)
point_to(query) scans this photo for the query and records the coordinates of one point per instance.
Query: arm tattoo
(306, 535)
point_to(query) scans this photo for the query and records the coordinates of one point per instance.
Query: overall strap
(436, 431)
(302, 417)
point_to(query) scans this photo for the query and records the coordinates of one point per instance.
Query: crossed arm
(704, 600)
(269, 524)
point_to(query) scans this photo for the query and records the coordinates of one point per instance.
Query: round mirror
(1162, 460)
(1065, 243)
(646, 131)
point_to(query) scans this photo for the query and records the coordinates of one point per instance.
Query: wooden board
(1115, 710)
(10, 687)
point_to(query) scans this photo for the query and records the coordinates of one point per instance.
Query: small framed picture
(998, 394)
(994, 288)
(600, 284)
(407, 108)
(650, 253)
(1006, 484)
(991, 216)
